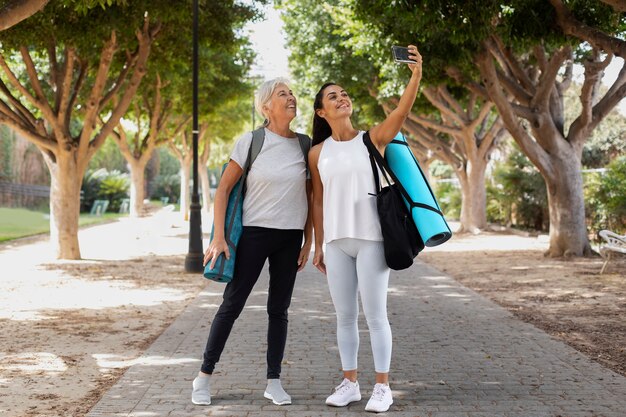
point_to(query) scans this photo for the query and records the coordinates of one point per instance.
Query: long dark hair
(321, 128)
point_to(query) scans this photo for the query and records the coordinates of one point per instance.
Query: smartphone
(401, 54)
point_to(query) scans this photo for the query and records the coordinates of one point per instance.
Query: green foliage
(166, 186)
(324, 52)
(612, 194)
(104, 185)
(168, 164)
(6, 147)
(517, 194)
(449, 198)
(108, 157)
(608, 139)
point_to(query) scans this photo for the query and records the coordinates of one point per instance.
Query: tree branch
(145, 38)
(20, 109)
(64, 90)
(495, 44)
(436, 100)
(534, 152)
(547, 80)
(17, 10)
(41, 142)
(574, 27)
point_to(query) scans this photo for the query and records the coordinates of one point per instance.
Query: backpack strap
(258, 137)
(305, 145)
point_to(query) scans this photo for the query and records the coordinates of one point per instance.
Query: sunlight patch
(108, 361)
(31, 302)
(34, 362)
(436, 277)
(456, 294)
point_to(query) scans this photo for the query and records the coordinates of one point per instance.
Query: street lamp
(194, 258)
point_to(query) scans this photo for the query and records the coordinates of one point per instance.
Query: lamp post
(194, 258)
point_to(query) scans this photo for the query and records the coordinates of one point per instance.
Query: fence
(24, 195)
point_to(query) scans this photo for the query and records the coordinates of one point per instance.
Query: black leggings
(257, 244)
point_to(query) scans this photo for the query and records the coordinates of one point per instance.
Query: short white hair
(264, 93)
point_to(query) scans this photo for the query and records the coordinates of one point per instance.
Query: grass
(17, 222)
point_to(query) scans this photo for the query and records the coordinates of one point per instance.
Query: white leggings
(358, 266)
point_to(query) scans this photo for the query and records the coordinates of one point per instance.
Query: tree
(464, 135)
(72, 75)
(455, 124)
(137, 147)
(512, 54)
(56, 100)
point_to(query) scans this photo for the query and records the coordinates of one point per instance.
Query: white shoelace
(343, 387)
(379, 392)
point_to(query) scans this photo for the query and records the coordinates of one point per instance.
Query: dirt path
(70, 329)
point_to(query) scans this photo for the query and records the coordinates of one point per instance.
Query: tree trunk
(473, 197)
(477, 219)
(568, 231)
(203, 174)
(137, 185)
(185, 184)
(66, 179)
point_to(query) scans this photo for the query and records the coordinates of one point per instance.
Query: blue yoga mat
(431, 225)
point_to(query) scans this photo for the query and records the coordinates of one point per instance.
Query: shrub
(166, 186)
(449, 198)
(104, 185)
(517, 195)
(608, 192)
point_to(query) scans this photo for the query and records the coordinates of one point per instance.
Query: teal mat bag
(224, 269)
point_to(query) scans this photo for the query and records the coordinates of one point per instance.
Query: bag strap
(305, 145)
(385, 169)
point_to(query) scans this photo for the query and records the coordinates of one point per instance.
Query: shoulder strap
(258, 137)
(384, 166)
(305, 145)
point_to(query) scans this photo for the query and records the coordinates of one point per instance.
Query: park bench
(613, 243)
(99, 207)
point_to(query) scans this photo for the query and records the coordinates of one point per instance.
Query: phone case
(401, 54)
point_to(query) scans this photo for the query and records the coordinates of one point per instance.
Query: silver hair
(264, 94)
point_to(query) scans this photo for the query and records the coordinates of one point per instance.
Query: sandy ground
(70, 329)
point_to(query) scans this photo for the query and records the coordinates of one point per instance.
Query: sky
(268, 40)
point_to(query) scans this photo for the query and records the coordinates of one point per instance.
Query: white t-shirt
(349, 191)
(276, 186)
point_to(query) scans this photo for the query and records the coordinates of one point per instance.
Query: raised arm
(384, 132)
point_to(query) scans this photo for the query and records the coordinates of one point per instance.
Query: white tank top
(349, 191)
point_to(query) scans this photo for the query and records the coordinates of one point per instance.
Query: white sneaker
(381, 399)
(201, 394)
(344, 394)
(276, 393)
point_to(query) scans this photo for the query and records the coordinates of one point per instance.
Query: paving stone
(455, 353)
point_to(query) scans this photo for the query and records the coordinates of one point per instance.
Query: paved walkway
(455, 354)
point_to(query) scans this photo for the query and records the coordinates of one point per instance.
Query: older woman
(275, 215)
(346, 220)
